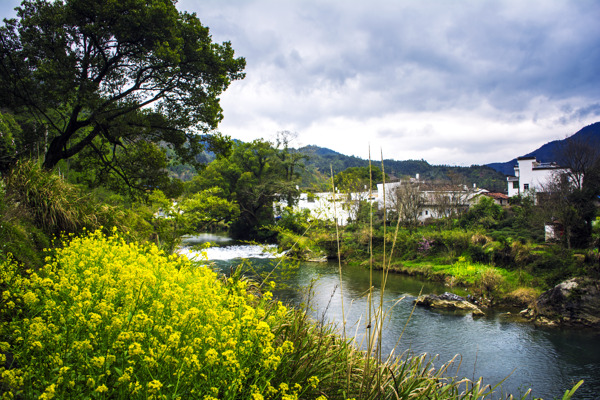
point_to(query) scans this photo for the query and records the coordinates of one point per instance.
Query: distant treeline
(320, 161)
(323, 160)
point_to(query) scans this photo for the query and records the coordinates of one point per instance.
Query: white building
(438, 200)
(531, 175)
(327, 206)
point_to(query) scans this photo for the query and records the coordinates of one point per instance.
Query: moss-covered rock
(575, 302)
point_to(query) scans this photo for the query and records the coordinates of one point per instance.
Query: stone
(448, 301)
(575, 302)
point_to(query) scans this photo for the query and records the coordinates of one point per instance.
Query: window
(426, 212)
(526, 186)
(515, 184)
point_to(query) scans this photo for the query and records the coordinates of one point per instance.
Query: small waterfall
(233, 252)
(220, 249)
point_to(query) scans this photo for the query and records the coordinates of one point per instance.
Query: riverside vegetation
(103, 102)
(497, 255)
(94, 314)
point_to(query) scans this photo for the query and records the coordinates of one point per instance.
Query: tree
(358, 179)
(102, 75)
(196, 213)
(485, 213)
(354, 182)
(253, 176)
(207, 208)
(291, 160)
(408, 203)
(450, 200)
(137, 167)
(579, 156)
(569, 198)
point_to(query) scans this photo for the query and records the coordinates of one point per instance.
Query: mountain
(320, 161)
(551, 150)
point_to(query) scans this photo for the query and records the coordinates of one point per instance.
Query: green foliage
(485, 214)
(296, 222)
(9, 132)
(198, 212)
(50, 202)
(358, 179)
(105, 77)
(130, 170)
(205, 209)
(552, 265)
(254, 176)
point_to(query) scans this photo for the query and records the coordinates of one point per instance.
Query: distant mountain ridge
(548, 152)
(324, 160)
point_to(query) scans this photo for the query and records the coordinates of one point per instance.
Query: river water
(495, 347)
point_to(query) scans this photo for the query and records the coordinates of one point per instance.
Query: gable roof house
(436, 200)
(499, 198)
(531, 176)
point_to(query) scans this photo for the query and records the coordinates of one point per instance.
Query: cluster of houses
(436, 200)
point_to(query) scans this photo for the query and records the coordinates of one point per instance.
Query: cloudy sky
(452, 82)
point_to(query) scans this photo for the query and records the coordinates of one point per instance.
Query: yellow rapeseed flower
(130, 318)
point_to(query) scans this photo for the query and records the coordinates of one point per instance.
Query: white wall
(531, 177)
(322, 206)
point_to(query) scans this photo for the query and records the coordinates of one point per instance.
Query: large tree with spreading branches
(104, 75)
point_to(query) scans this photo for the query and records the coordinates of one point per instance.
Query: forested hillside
(322, 160)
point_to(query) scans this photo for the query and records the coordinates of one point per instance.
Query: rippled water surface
(494, 347)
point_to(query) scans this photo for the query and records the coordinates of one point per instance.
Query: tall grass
(54, 205)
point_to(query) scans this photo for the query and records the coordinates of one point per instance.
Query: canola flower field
(109, 319)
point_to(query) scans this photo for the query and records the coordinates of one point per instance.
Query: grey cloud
(579, 114)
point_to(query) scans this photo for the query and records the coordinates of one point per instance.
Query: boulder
(575, 302)
(448, 301)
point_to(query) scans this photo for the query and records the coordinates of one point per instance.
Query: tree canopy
(254, 175)
(101, 75)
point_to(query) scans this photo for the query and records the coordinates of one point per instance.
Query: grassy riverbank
(99, 315)
(497, 266)
(106, 318)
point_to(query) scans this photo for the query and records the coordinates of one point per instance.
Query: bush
(553, 265)
(489, 281)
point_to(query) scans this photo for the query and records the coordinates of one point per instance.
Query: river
(494, 347)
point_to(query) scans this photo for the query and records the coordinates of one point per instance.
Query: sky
(452, 82)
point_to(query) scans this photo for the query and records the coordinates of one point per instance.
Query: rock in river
(575, 302)
(448, 301)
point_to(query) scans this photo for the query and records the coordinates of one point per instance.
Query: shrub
(490, 281)
(523, 297)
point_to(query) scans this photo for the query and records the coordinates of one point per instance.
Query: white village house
(326, 205)
(531, 176)
(438, 201)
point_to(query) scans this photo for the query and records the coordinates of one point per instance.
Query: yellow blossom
(101, 389)
(313, 382)
(154, 386)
